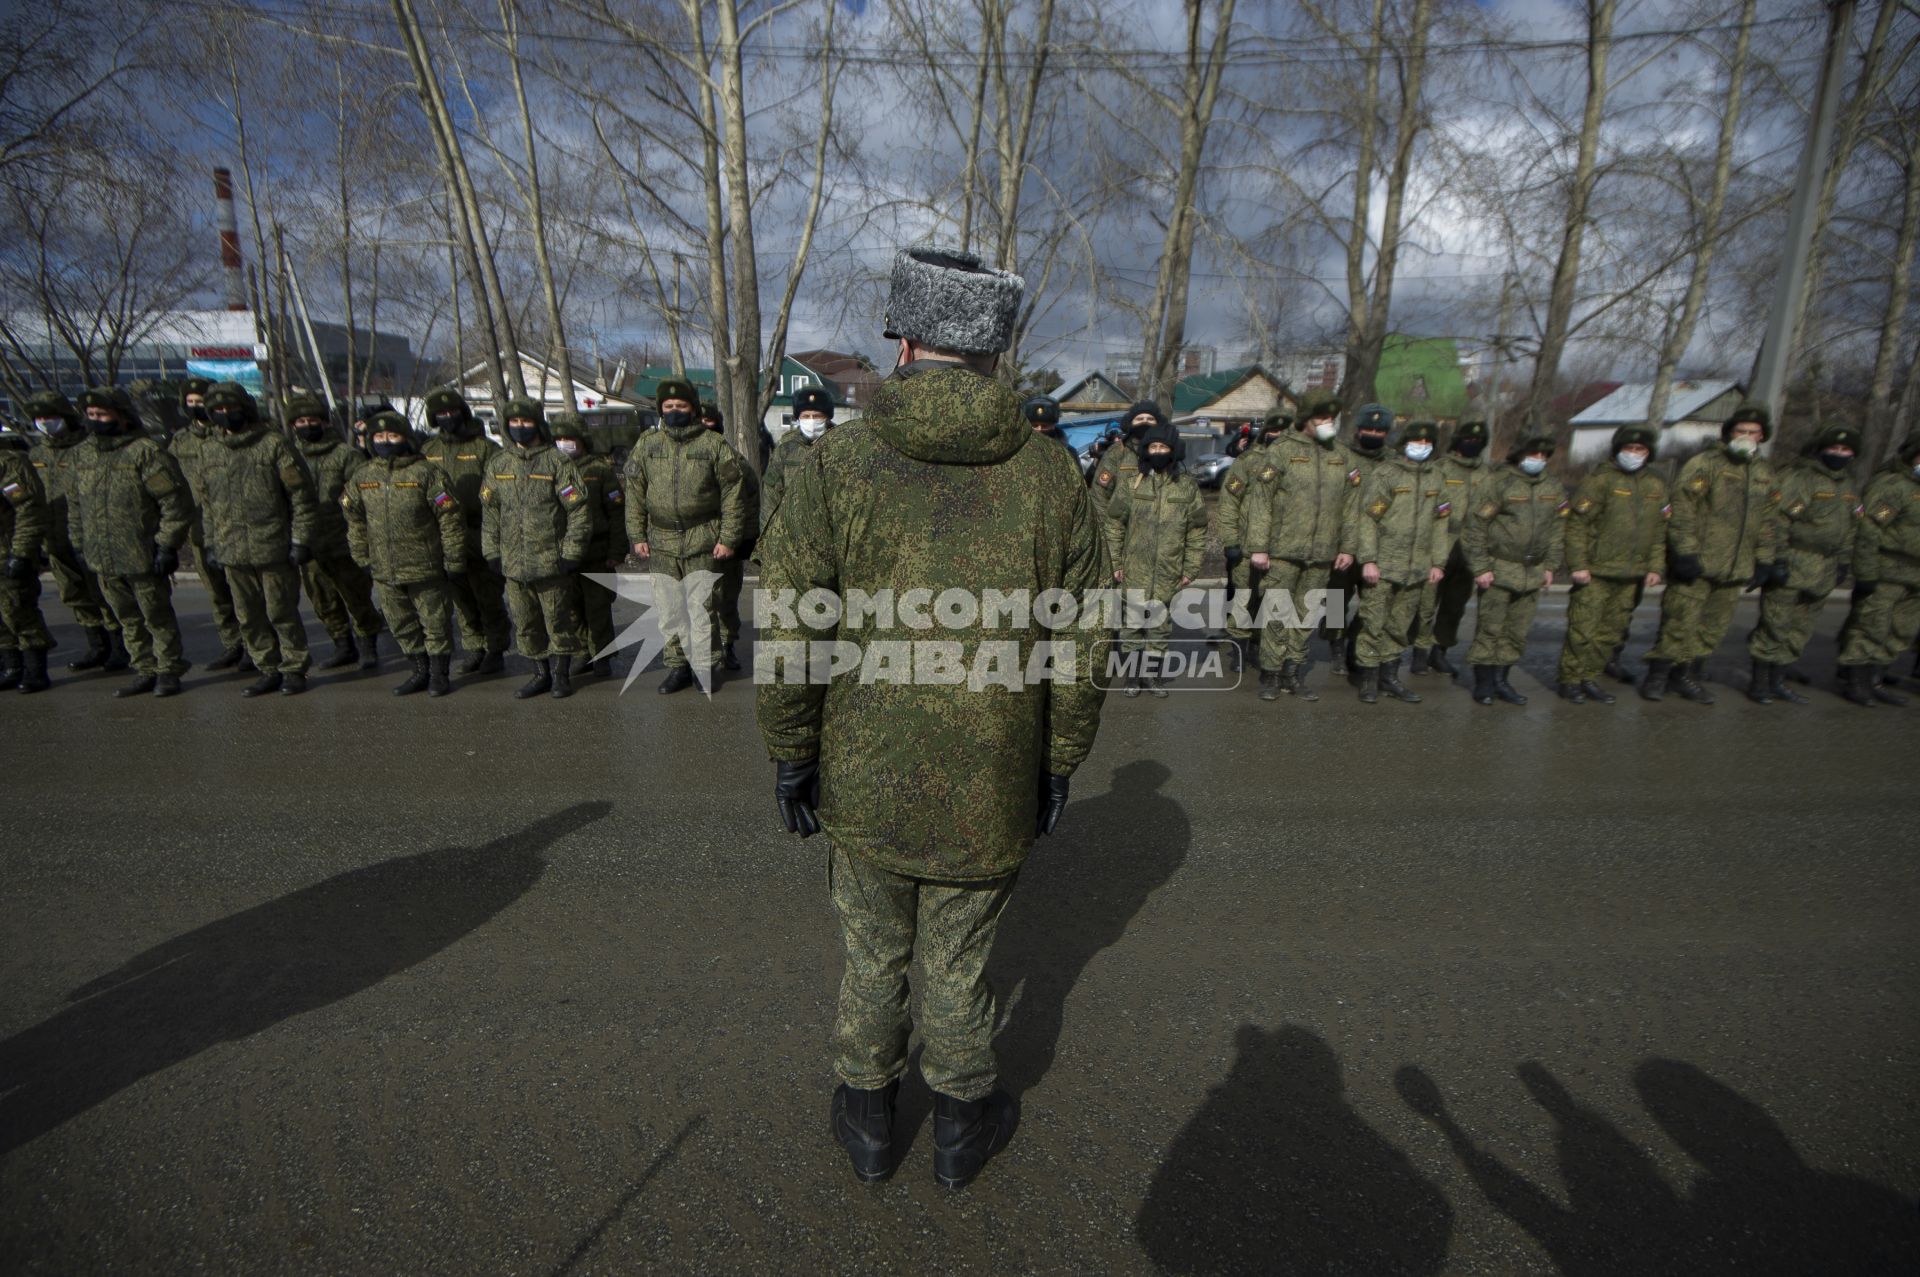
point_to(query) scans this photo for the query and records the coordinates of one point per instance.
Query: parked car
(1209, 468)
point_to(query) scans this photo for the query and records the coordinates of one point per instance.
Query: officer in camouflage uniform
(1372, 424)
(1247, 486)
(607, 540)
(1295, 527)
(1515, 538)
(1886, 567)
(686, 512)
(1819, 518)
(1156, 530)
(260, 525)
(1722, 538)
(1463, 473)
(129, 513)
(1616, 542)
(733, 571)
(464, 454)
(1400, 542)
(24, 639)
(193, 447)
(812, 418)
(536, 523)
(1121, 461)
(930, 793)
(340, 589)
(57, 454)
(1043, 414)
(404, 527)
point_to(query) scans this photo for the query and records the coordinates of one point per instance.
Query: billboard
(244, 371)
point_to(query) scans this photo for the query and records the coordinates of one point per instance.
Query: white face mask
(1325, 430)
(812, 428)
(1532, 465)
(1419, 451)
(1629, 461)
(571, 447)
(1742, 447)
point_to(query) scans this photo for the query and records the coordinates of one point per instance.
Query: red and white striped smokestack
(229, 239)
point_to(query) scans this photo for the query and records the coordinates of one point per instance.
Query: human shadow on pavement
(1756, 1208)
(1278, 1174)
(251, 970)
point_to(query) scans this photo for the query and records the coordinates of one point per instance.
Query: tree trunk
(1899, 298)
(536, 211)
(1359, 378)
(742, 366)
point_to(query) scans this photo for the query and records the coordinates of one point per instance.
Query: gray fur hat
(947, 300)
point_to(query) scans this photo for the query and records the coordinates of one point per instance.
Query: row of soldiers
(1408, 539)
(424, 538)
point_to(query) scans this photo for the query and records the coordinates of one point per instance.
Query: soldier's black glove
(1840, 577)
(1685, 568)
(1778, 573)
(569, 566)
(1234, 554)
(1862, 589)
(1053, 801)
(300, 555)
(166, 560)
(496, 567)
(21, 569)
(1759, 577)
(796, 791)
(207, 562)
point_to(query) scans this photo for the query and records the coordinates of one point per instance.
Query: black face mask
(197, 412)
(309, 434)
(1157, 460)
(1835, 462)
(523, 435)
(676, 420)
(447, 423)
(231, 422)
(1368, 442)
(108, 428)
(1470, 448)
(388, 449)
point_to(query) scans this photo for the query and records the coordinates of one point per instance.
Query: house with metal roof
(1695, 412)
(1231, 397)
(1090, 392)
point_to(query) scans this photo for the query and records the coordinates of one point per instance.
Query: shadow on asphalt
(249, 971)
(1756, 1207)
(1278, 1174)
(591, 1238)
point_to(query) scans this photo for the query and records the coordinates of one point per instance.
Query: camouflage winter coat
(464, 462)
(1156, 529)
(1617, 524)
(685, 492)
(404, 524)
(1888, 545)
(787, 456)
(1236, 496)
(1462, 479)
(23, 503)
(259, 499)
(331, 463)
(57, 460)
(1117, 464)
(191, 447)
(1725, 513)
(535, 511)
(1309, 501)
(130, 498)
(1402, 521)
(607, 527)
(1820, 513)
(1518, 531)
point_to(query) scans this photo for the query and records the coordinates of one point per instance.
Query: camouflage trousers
(226, 621)
(266, 601)
(1347, 582)
(596, 609)
(885, 920)
(546, 617)
(1280, 642)
(1248, 585)
(679, 567)
(1145, 638)
(144, 606)
(21, 625)
(1387, 614)
(1500, 627)
(1443, 604)
(1693, 619)
(80, 591)
(479, 602)
(342, 596)
(1883, 625)
(420, 614)
(1787, 618)
(726, 596)
(1598, 616)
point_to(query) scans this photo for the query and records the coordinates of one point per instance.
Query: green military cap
(566, 424)
(231, 394)
(389, 422)
(194, 386)
(1749, 411)
(1837, 437)
(113, 397)
(1428, 430)
(1321, 406)
(51, 403)
(447, 399)
(307, 405)
(676, 388)
(1626, 435)
(1533, 442)
(523, 408)
(1470, 430)
(1278, 418)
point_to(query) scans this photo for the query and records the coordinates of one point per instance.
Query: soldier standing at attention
(1515, 536)
(1249, 483)
(812, 418)
(340, 589)
(931, 794)
(1886, 569)
(535, 526)
(607, 542)
(24, 638)
(1463, 473)
(1616, 541)
(57, 455)
(1820, 514)
(733, 571)
(129, 515)
(193, 449)
(464, 454)
(1044, 414)
(1121, 461)
(1722, 538)
(1400, 543)
(1372, 424)
(1156, 534)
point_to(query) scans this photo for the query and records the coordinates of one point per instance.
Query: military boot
(416, 681)
(370, 654)
(1338, 666)
(1483, 685)
(438, 684)
(1269, 685)
(262, 685)
(678, 679)
(1859, 685)
(1573, 693)
(1682, 681)
(166, 685)
(493, 662)
(603, 667)
(229, 659)
(1778, 677)
(1881, 692)
(293, 682)
(33, 670)
(1760, 683)
(1653, 684)
(1156, 687)
(727, 658)
(118, 658)
(246, 665)
(471, 662)
(1505, 690)
(968, 1132)
(344, 654)
(1616, 668)
(1437, 662)
(96, 654)
(539, 684)
(1294, 678)
(141, 685)
(10, 668)
(1419, 663)
(1134, 687)
(1369, 684)
(862, 1121)
(1389, 677)
(1595, 692)
(562, 678)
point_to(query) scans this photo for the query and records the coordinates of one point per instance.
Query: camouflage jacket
(686, 492)
(941, 486)
(1402, 521)
(464, 462)
(58, 459)
(259, 499)
(535, 511)
(1617, 524)
(190, 447)
(23, 502)
(1820, 513)
(129, 499)
(787, 454)
(1231, 514)
(1156, 530)
(1462, 479)
(1309, 502)
(1518, 531)
(404, 524)
(1887, 547)
(607, 527)
(1117, 464)
(1366, 463)
(331, 463)
(1725, 512)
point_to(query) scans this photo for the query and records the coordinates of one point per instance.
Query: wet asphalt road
(344, 984)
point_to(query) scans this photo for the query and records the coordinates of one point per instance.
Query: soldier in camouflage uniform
(606, 542)
(1463, 473)
(733, 571)
(1121, 461)
(405, 528)
(1247, 486)
(129, 513)
(1886, 567)
(1399, 540)
(24, 638)
(340, 589)
(1616, 544)
(536, 521)
(686, 513)
(57, 454)
(260, 525)
(1515, 538)
(930, 793)
(1723, 537)
(812, 418)
(1372, 424)
(1043, 414)
(193, 447)
(463, 454)
(1820, 513)
(1156, 530)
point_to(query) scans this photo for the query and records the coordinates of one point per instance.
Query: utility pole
(1768, 383)
(1500, 348)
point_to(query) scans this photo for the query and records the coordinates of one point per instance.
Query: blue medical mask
(1419, 450)
(1532, 465)
(1629, 461)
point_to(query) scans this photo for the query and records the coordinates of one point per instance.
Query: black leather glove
(1777, 574)
(1840, 577)
(796, 791)
(1234, 554)
(1685, 568)
(21, 569)
(496, 567)
(208, 563)
(166, 560)
(300, 555)
(1053, 801)
(1759, 578)
(1861, 589)
(569, 566)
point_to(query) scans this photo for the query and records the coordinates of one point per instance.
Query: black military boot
(1437, 662)
(1595, 692)
(1778, 677)
(344, 654)
(1157, 687)
(1653, 684)
(1389, 677)
(370, 654)
(1135, 686)
(438, 684)
(727, 659)
(1369, 684)
(603, 667)
(967, 1133)
(229, 659)
(118, 658)
(1505, 690)
(1857, 685)
(539, 684)
(96, 654)
(562, 678)
(33, 670)
(1682, 681)
(1269, 685)
(471, 662)
(678, 679)
(1616, 668)
(1760, 684)
(1338, 666)
(416, 681)
(1419, 662)
(1483, 685)
(493, 662)
(1573, 693)
(10, 668)
(246, 665)
(141, 685)
(863, 1123)
(1881, 692)
(262, 685)
(1295, 681)
(293, 682)
(165, 685)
